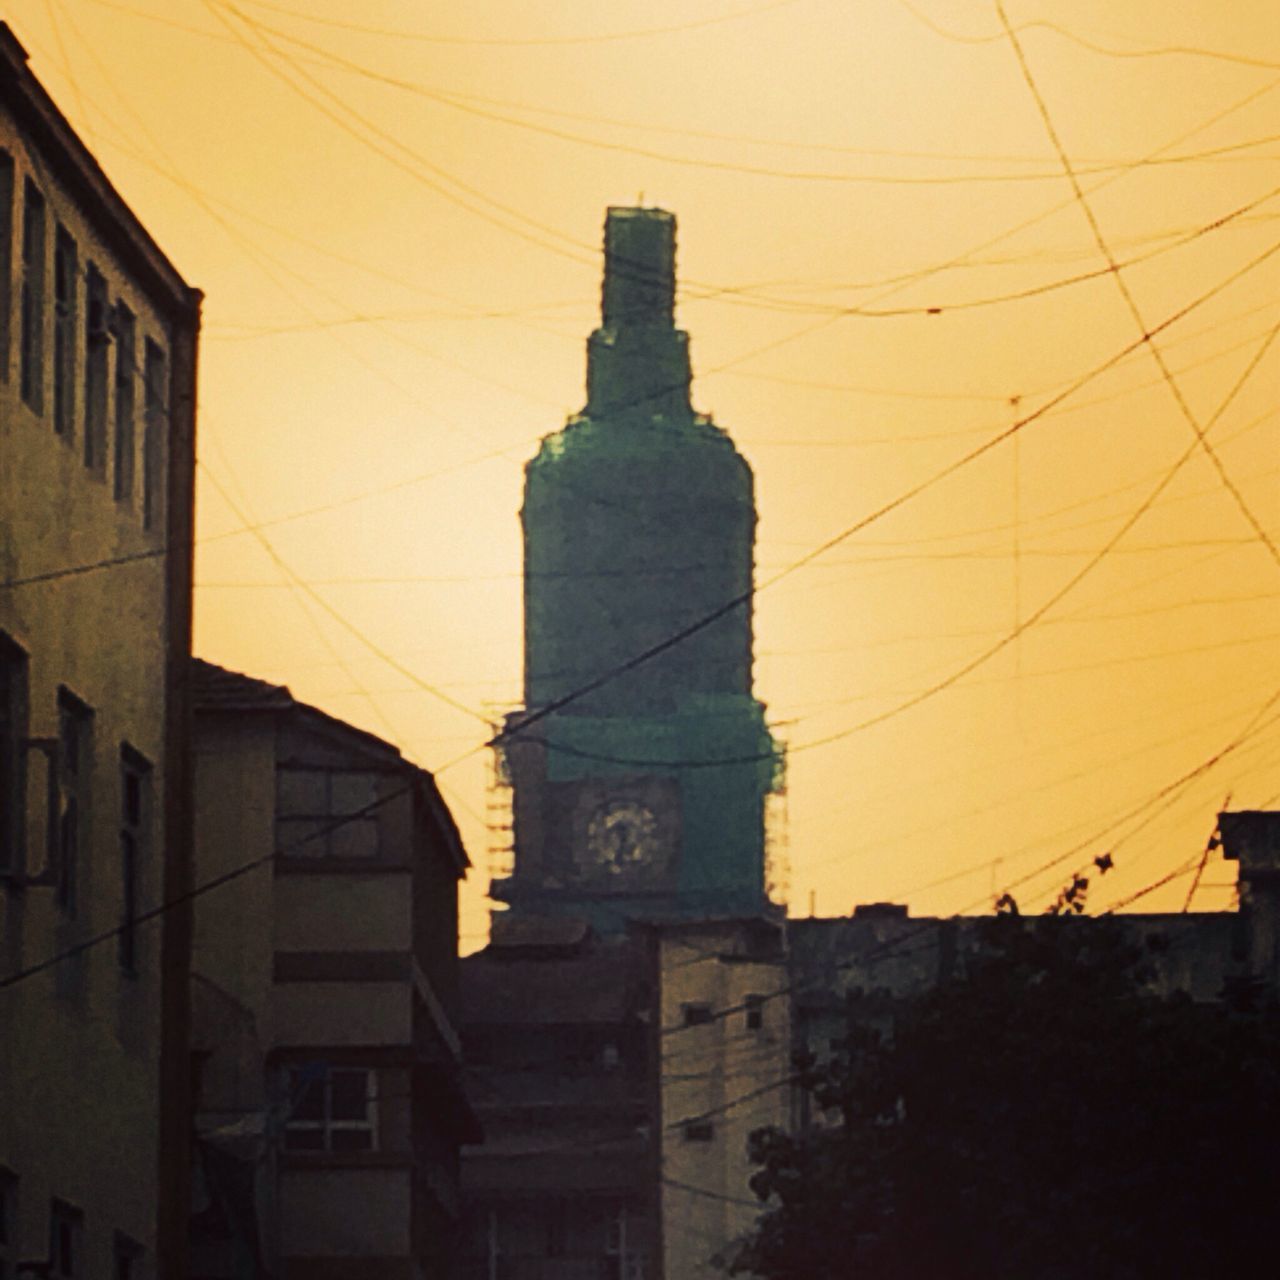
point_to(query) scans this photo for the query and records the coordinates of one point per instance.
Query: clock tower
(641, 761)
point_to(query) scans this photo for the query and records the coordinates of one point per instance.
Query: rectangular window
(96, 338)
(155, 432)
(331, 1109)
(697, 1015)
(6, 259)
(75, 727)
(126, 1258)
(13, 731)
(753, 1006)
(124, 332)
(135, 786)
(310, 806)
(33, 271)
(64, 333)
(66, 1225)
(8, 1222)
(698, 1130)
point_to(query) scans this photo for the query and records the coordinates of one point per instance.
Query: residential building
(328, 1105)
(560, 1051)
(98, 335)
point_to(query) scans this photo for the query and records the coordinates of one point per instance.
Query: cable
(954, 677)
(73, 571)
(1127, 293)
(154, 913)
(373, 647)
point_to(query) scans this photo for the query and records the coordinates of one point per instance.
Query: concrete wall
(726, 1073)
(80, 1044)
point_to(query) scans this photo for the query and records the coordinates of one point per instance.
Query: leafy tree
(1042, 1116)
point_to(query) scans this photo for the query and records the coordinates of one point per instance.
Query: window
(610, 1057)
(64, 333)
(33, 297)
(65, 1228)
(309, 803)
(696, 1015)
(154, 433)
(124, 327)
(6, 258)
(135, 781)
(126, 1258)
(8, 1222)
(13, 730)
(330, 1109)
(75, 723)
(753, 1006)
(96, 338)
(698, 1130)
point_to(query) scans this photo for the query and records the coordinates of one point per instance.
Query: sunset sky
(395, 211)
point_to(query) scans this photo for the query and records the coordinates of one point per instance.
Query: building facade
(98, 336)
(640, 765)
(329, 1110)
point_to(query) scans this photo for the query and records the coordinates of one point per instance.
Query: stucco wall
(79, 1054)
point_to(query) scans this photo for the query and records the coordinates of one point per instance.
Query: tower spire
(638, 361)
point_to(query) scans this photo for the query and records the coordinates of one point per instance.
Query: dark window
(65, 1227)
(96, 338)
(33, 297)
(330, 1109)
(8, 1222)
(75, 724)
(697, 1015)
(754, 1008)
(64, 333)
(13, 729)
(126, 1258)
(154, 433)
(6, 258)
(310, 804)
(135, 785)
(698, 1130)
(124, 327)
(557, 1223)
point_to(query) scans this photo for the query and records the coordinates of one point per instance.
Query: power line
(1127, 293)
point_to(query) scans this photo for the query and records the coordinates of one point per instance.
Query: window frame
(8, 188)
(297, 1085)
(97, 371)
(125, 326)
(14, 721)
(66, 1240)
(66, 299)
(34, 269)
(314, 829)
(135, 831)
(155, 365)
(75, 772)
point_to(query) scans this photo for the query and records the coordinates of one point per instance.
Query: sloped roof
(215, 688)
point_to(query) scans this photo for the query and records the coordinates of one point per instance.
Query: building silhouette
(641, 760)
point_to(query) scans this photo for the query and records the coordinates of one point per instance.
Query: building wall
(725, 1065)
(307, 975)
(81, 1047)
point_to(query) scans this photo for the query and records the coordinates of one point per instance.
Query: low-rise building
(98, 335)
(558, 1031)
(329, 1110)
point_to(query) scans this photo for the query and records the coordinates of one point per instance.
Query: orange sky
(395, 212)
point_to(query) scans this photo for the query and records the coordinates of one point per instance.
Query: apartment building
(98, 335)
(328, 1103)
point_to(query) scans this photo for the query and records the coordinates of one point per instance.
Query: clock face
(622, 835)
